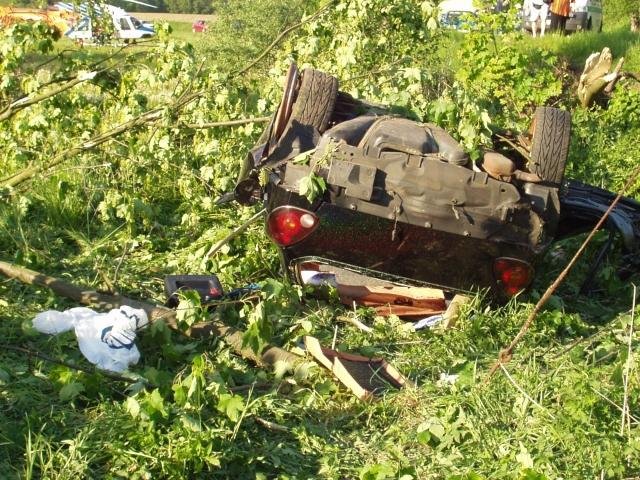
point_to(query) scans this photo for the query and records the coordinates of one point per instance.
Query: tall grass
(575, 48)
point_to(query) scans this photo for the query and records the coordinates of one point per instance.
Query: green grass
(554, 412)
(576, 47)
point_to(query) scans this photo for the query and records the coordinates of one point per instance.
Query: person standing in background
(560, 10)
(538, 10)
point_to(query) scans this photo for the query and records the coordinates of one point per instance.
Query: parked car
(199, 26)
(404, 203)
(586, 15)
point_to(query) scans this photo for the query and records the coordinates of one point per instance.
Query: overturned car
(401, 201)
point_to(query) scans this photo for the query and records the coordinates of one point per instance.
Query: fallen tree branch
(147, 117)
(270, 355)
(217, 246)
(271, 426)
(506, 353)
(616, 73)
(24, 102)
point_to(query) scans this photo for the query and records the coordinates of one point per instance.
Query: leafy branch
(24, 102)
(147, 117)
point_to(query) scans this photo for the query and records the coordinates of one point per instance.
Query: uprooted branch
(283, 34)
(270, 355)
(57, 85)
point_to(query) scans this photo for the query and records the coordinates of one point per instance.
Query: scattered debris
(385, 299)
(105, 339)
(598, 77)
(428, 322)
(365, 377)
(450, 317)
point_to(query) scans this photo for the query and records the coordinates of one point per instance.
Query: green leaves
(312, 186)
(260, 329)
(71, 390)
(231, 405)
(133, 407)
(189, 310)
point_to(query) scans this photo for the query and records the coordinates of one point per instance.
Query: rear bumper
(396, 251)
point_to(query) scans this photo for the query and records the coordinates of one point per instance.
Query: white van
(125, 27)
(458, 14)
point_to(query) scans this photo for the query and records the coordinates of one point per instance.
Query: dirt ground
(173, 17)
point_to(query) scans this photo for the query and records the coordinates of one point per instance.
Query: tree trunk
(270, 355)
(596, 76)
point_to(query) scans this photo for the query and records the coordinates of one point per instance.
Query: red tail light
(513, 275)
(289, 225)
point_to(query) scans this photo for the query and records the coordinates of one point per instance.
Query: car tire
(315, 100)
(550, 144)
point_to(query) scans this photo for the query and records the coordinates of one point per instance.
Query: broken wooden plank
(365, 377)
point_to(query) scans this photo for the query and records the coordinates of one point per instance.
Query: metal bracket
(357, 179)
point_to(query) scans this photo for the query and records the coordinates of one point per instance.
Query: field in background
(173, 17)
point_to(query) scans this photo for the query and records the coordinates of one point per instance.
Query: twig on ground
(627, 371)
(524, 393)
(506, 353)
(614, 404)
(578, 341)
(249, 386)
(243, 414)
(114, 282)
(31, 352)
(274, 427)
(228, 123)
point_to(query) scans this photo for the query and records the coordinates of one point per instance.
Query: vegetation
(111, 182)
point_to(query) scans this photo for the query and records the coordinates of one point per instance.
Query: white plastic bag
(105, 339)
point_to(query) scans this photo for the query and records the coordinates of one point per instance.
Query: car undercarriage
(400, 200)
